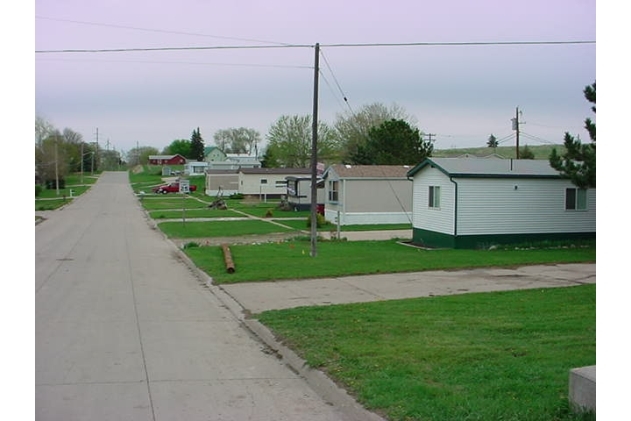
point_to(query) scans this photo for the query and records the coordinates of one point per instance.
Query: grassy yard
(48, 199)
(292, 260)
(488, 356)
(192, 229)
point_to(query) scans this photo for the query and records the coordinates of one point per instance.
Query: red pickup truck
(172, 188)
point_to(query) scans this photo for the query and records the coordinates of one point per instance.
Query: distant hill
(540, 151)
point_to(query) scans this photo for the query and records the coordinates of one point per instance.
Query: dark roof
(369, 171)
(489, 168)
(280, 171)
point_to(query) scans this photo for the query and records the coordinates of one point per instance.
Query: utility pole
(56, 166)
(516, 128)
(430, 136)
(314, 155)
(82, 162)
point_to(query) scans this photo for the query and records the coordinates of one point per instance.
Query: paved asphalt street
(128, 329)
(125, 330)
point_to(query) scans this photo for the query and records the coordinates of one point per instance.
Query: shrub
(269, 213)
(320, 221)
(236, 196)
(38, 190)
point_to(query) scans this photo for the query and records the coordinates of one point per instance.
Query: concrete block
(582, 394)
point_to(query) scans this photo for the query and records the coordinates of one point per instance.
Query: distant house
(299, 193)
(263, 183)
(176, 159)
(193, 168)
(267, 182)
(213, 154)
(475, 203)
(367, 194)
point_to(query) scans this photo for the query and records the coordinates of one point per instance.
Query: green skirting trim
(439, 240)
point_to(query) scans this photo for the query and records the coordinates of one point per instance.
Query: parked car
(172, 188)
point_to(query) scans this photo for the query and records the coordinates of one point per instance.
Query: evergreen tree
(197, 146)
(578, 163)
(492, 142)
(394, 142)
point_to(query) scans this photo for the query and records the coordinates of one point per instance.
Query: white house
(475, 203)
(267, 183)
(193, 168)
(367, 194)
(263, 183)
(299, 193)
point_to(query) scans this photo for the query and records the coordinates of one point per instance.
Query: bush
(38, 190)
(269, 213)
(238, 196)
(320, 221)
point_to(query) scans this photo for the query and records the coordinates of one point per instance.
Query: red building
(167, 160)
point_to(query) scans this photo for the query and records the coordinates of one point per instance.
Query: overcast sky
(460, 93)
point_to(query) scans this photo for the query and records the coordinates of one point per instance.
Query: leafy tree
(140, 155)
(237, 140)
(526, 153)
(578, 163)
(394, 142)
(492, 142)
(197, 146)
(290, 139)
(51, 160)
(180, 146)
(269, 161)
(353, 128)
(43, 129)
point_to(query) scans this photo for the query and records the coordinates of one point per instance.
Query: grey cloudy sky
(460, 93)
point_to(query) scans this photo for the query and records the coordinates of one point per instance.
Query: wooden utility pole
(516, 128)
(314, 155)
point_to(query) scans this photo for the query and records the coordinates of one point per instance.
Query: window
(575, 199)
(263, 180)
(281, 183)
(333, 191)
(434, 196)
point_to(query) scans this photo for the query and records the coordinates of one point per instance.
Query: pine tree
(197, 146)
(578, 163)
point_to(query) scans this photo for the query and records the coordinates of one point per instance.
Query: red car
(172, 188)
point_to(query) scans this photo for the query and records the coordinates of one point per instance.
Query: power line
(128, 50)
(157, 30)
(445, 44)
(183, 62)
(336, 82)
(233, 47)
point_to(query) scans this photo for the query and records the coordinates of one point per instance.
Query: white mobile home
(475, 203)
(367, 194)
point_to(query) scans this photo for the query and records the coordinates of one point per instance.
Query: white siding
(432, 219)
(495, 206)
(251, 184)
(369, 201)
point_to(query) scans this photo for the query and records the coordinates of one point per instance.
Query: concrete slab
(261, 296)
(93, 401)
(582, 389)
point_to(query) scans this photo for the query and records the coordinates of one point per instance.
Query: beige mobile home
(367, 194)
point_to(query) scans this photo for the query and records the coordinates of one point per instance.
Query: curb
(330, 392)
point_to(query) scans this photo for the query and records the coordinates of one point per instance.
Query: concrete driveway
(126, 330)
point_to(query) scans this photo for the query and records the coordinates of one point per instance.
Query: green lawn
(488, 356)
(292, 259)
(48, 199)
(192, 229)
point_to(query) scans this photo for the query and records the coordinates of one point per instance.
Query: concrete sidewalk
(256, 297)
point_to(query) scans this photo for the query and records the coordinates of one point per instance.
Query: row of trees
(61, 152)
(375, 135)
